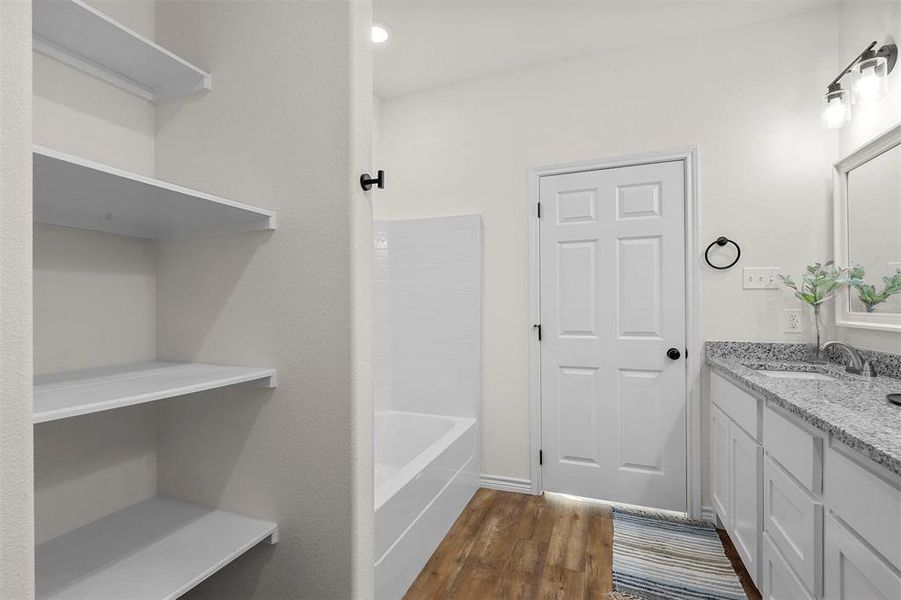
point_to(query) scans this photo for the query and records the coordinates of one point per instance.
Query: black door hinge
(538, 327)
(541, 457)
(539, 210)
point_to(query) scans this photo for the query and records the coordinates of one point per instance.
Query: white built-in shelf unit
(160, 548)
(86, 39)
(83, 194)
(157, 549)
(75, 393)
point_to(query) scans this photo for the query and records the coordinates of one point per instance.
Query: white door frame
(694, 355)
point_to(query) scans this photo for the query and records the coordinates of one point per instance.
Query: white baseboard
(707, 514)
(505, 484)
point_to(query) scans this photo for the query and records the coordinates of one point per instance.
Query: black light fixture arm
(847, 69)
(889, 51)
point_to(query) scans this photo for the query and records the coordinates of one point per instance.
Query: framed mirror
(868, 232)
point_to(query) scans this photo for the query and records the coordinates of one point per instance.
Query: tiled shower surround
(427, 315)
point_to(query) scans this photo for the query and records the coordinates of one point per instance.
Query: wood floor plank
(599, 553)
(743, 575)
(521, 575)
(521, 547)
(452, 555)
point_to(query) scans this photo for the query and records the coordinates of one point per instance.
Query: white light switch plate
(760, 278)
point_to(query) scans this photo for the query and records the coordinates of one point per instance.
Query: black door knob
(673, 354)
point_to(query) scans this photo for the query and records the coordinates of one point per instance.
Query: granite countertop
(851, 408)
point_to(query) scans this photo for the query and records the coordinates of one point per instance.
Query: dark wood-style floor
(508, 545)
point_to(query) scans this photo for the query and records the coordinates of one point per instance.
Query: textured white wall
(861, 23)
(16, 461)
(94, 298)
(765, 173)
(361, 279)
(286, 127)
(91, 466)
(428, 285)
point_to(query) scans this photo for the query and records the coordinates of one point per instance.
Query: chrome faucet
(858, 366)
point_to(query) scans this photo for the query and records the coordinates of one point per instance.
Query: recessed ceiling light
(379, 34)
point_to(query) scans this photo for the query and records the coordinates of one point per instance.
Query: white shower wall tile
(428, 315)
(429, 288)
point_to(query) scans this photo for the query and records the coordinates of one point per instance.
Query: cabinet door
(779, 582)
(866, 504)
(744, 491)
(719, 452)
(853, 571)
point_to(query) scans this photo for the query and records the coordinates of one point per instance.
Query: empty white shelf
(85, 38)
(154, 550)
(83, 194)
(73, 393)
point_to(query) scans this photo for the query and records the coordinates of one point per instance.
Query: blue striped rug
(659, 557)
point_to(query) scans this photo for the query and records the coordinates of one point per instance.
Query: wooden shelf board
(83, 194)
(74, 393)
(79, 35)
(154, 550)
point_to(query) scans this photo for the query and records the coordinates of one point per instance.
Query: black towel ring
(722, 241)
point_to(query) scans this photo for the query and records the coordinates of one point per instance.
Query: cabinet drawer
(740, 406)
(798, 451)
(779, 582)
(866, 503)
(853, 571)
(793, 521)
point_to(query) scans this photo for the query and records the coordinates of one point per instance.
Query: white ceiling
(440, 42)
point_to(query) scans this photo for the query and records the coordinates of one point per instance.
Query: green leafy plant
(819, 284)
(867, 293)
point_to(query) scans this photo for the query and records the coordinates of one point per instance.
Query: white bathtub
(426, 470)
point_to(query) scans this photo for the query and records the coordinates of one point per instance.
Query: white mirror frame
(844, 317)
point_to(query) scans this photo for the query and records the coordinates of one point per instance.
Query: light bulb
(868, 84)
(834, 114)
(837, 111)
(379, 34)
(870, 79)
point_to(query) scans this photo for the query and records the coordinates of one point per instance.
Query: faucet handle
(868, 370)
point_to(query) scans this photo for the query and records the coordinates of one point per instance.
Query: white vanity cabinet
(792, 508)
(737, 469)
(853, 570)
(829, 524)
(719, 452)
(779, 581)
(745, 494)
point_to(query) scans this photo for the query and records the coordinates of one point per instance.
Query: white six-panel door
(612, 297)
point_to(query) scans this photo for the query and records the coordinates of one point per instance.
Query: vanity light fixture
(838, 108)
(871, 76)
(870, 69)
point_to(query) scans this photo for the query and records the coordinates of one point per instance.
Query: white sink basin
(794, 375)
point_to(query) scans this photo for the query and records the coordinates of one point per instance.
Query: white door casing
(613, 301)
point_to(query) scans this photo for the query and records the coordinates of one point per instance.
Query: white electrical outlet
(760, 278)
(792, 320)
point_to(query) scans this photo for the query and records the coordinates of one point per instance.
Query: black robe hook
(366, 181)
